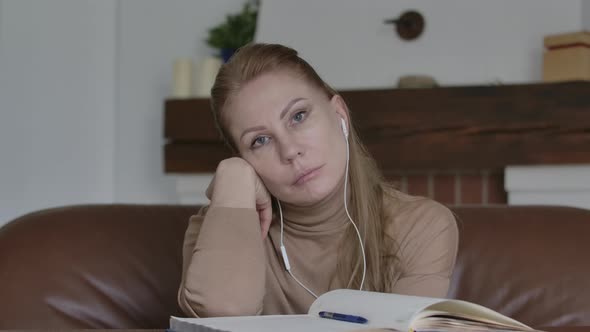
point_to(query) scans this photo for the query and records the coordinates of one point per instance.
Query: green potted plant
(237, 31)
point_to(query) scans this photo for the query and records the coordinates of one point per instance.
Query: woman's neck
(325, 216)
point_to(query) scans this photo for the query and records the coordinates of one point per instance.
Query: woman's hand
(237, 185)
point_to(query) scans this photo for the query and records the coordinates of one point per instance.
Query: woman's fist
(236, 184)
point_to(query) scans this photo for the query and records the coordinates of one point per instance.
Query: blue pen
(343, 317)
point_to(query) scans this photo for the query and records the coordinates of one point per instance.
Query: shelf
(470, 127)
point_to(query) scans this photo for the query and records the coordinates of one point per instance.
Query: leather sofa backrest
(530, 263)
(100, 266)
(119, 266)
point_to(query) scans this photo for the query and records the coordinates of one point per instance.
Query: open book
(381, 310)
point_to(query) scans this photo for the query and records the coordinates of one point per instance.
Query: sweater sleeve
(223, 264)
(427, 251)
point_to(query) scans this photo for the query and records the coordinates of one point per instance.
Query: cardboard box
(567, 57)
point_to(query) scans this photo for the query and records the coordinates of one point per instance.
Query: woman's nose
(290, 151)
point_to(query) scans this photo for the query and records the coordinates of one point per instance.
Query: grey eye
(260, 140)
(299, 116)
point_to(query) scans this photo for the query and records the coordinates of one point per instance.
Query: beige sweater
(229, 270)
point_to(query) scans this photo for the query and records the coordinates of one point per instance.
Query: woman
(302, 183)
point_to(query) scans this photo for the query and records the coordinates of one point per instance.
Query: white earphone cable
(282, 245)
(286, 258)
(349, 218)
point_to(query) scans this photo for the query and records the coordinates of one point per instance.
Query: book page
(471, 311)
(271, 323)
(383, 310)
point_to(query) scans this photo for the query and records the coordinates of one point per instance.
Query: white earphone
(284, 250)
(344, 128)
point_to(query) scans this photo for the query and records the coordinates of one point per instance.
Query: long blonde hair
(367, 185)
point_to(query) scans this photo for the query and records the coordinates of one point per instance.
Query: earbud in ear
(344, 129)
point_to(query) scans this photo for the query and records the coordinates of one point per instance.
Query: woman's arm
(223, 264)
(223, 256)
(427, 251)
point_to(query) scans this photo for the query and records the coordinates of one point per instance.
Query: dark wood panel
(447, 151)
(189, 120)
(455, 127)
(193, 157)
(477, 108)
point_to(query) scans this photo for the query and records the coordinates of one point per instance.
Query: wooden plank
(474, 127)
(432, 152)
(441, 150)
(194, 157)
(440, 128)
(189, 120)
(518, 106)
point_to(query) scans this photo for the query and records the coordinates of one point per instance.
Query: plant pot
(227, 53)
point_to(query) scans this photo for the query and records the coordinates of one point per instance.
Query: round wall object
(409, 25)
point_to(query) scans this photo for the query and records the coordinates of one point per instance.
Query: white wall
(82, 82)
(586, 15)
(465, 42)
(56, 103)
(567, 185)
(82, 85)
(152, 34)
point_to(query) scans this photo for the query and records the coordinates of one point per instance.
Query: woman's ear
(339, 106)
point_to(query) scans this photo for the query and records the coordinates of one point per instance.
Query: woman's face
(286, 128)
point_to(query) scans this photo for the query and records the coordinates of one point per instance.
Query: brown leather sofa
(118, 266)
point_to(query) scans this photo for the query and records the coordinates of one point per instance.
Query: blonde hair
(367, 185)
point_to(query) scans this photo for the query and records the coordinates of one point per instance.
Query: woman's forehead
(269, 93)
(276, 82)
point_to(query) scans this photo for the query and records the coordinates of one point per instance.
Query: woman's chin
(309, 193)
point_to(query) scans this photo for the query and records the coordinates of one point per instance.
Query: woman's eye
(299, 116)
(259, 141)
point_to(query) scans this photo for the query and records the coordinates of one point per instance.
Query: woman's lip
(307, 176)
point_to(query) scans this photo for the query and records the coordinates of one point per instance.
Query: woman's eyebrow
(289, 105)
(283, 112)
(251, 129)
